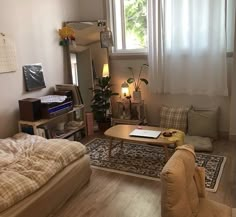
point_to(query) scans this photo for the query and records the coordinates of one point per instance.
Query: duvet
(28, 162)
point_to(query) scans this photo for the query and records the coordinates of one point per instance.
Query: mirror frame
(92, 44)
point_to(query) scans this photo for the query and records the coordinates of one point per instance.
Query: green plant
(137, 83)
(136, 19)
(101, 99)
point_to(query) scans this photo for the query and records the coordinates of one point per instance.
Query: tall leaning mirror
(86, 56)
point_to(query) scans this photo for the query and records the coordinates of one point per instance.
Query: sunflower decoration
(67, 35)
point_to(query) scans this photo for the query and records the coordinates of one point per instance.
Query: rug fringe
(218, 178)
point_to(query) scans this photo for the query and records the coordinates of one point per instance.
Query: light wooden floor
(115, 195)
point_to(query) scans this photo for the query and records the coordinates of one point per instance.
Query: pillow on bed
(174, 117)
(203, 122)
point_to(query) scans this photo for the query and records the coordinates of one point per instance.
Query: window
(187, 43)
(184, 30)
(128, 19)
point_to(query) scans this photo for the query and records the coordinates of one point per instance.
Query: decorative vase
(137, 96)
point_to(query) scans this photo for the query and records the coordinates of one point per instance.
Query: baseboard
(232, 138)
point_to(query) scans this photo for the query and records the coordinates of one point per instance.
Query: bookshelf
(70, 123)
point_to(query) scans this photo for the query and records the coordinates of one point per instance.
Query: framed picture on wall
(33, 76)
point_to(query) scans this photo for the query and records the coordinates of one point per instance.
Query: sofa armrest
(199, 178)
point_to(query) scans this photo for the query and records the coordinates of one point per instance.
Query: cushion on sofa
(203, 122)
(199, 143)
(174, 117)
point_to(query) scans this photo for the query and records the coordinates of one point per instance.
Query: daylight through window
(129, 21)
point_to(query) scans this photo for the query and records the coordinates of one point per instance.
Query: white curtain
(187, 47)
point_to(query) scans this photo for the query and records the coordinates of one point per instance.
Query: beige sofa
(183, 188)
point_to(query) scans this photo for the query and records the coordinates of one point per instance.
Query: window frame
(111, 20)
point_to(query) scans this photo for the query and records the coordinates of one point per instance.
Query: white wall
(233, 95)
(90, 10)
(233, 105)
(32, 25)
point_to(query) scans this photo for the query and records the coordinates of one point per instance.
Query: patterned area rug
(147, 161)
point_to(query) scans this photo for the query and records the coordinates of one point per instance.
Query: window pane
(135, 23)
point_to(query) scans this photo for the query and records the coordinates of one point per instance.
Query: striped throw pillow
(176, 118)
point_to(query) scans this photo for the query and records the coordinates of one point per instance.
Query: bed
(38, 175)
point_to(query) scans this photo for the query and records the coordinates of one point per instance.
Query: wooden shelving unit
(47, 127)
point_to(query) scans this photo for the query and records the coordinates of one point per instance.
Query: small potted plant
(101, 102)
(137, 82)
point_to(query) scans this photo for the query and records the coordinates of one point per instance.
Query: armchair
(183, 188)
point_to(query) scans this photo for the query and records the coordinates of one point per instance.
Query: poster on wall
(33, 76)
(7, 55)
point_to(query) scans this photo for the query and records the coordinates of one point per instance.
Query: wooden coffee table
(122, 132)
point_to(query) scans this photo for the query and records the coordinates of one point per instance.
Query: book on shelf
(45, 131)
(76, 94)
(27, 129)
(41, 132)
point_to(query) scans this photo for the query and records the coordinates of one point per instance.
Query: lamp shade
(105, 70)
(124, 89)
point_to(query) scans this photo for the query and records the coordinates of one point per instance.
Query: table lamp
(124, 90)
(105, 70)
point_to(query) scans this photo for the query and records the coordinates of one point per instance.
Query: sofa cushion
(199, 143)
(174, 117)
(209, 208)
(203, 122)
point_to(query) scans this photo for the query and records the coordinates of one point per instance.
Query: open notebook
(145, 133)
